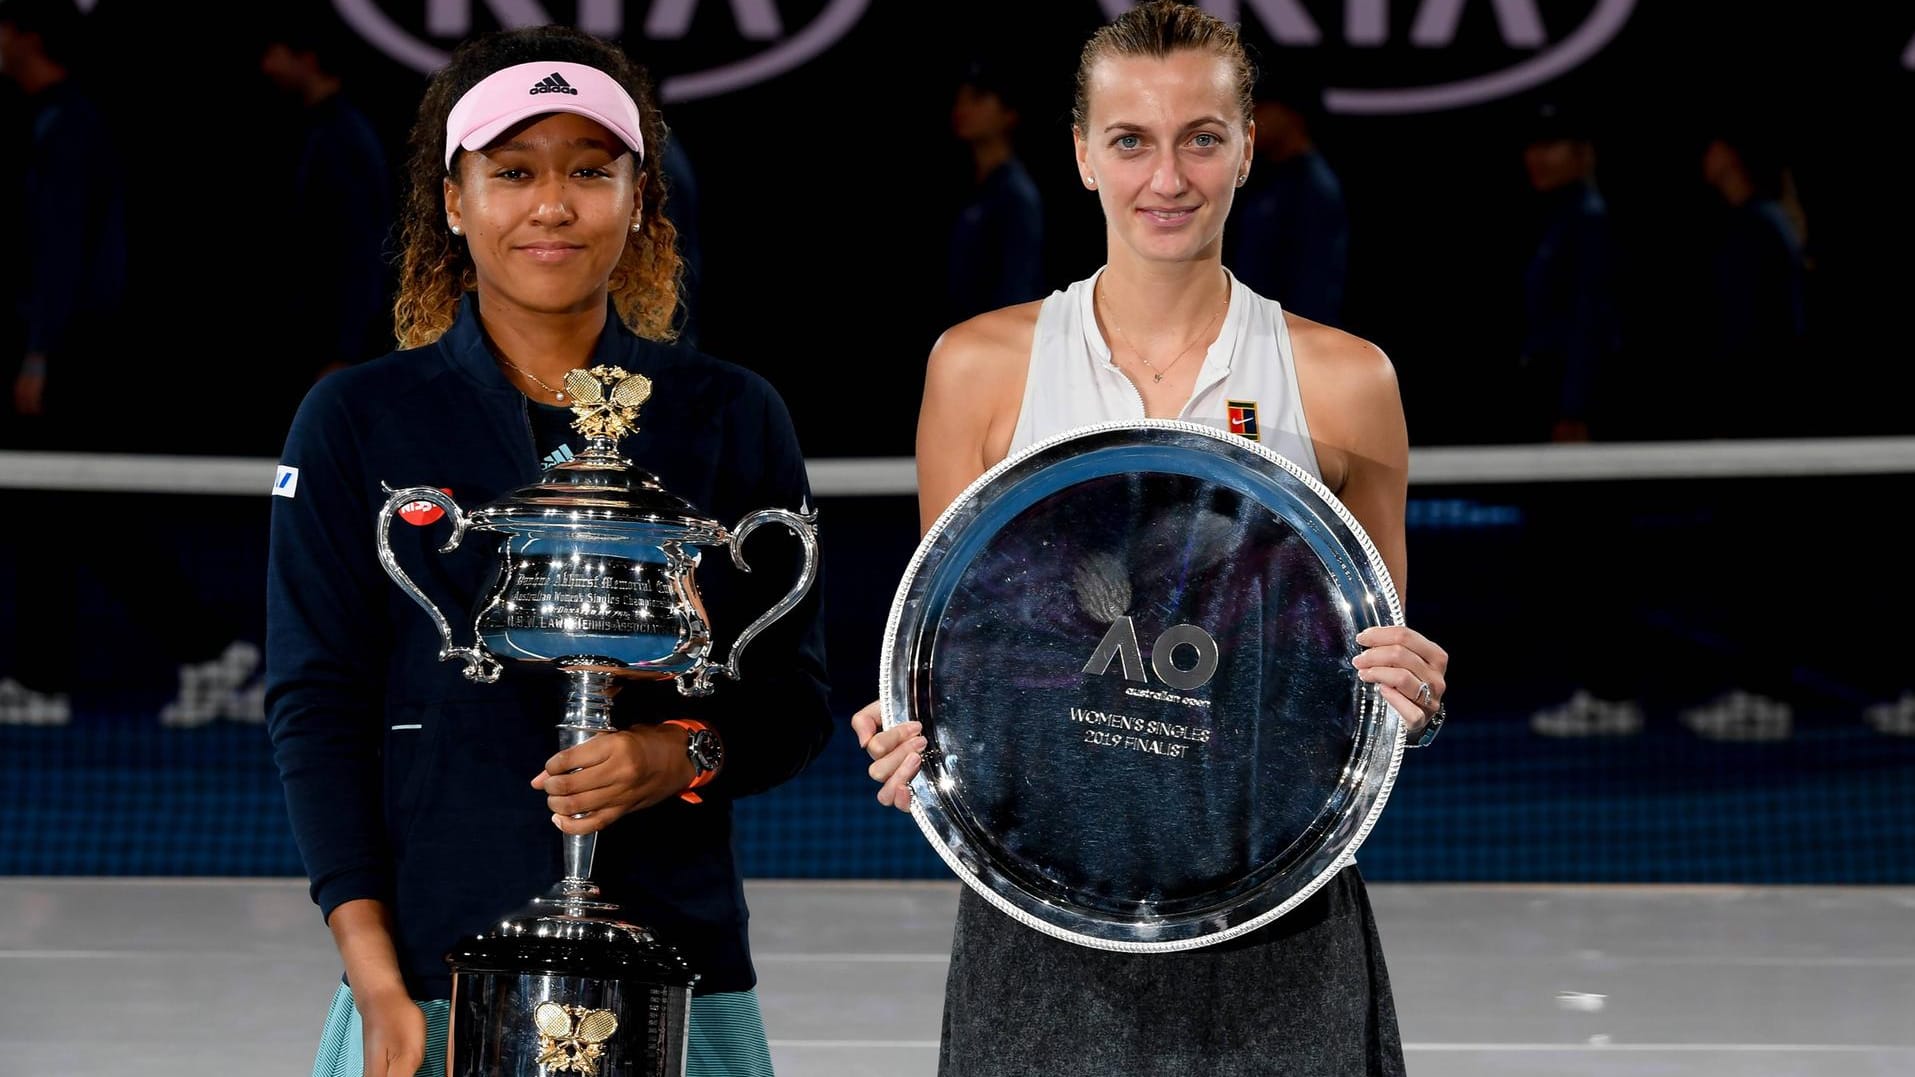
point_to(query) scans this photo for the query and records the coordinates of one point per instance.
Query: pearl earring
(457, 231)
(637, 225)
(1090, 182)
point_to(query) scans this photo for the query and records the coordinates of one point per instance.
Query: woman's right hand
(895, 754)
(395, 1032)
(393, 1026)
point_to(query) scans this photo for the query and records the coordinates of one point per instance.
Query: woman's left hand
(1407, 668)
(591, 785)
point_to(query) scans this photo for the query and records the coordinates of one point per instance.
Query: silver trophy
(595, 577)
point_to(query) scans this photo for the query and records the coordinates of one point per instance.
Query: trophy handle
(699, 682)
(479, 666)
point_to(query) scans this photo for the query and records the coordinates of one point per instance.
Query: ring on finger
(1424, 697)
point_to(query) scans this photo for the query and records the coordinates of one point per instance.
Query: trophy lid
(591, 942)
(595, 487)
(599, 485)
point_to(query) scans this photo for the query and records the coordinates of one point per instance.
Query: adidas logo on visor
(553, 83)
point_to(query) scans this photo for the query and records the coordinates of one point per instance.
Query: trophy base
(568, 987)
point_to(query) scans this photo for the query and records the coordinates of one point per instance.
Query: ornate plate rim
(921, 789)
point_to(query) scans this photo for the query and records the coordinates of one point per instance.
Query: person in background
(72, 229)
(681, 208)
(1289, 236)
(1571, 332)
(997, 240)
(1756, 305)
(76, 387)
(1754, 320)
(340, 211)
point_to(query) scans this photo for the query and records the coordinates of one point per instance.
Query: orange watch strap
(692, 725)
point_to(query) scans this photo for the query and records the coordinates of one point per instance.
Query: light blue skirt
(727, 1038)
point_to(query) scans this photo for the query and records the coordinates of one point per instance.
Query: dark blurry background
(1597, 627)
(828, 190)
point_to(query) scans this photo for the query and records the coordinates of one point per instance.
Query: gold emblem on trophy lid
(606, 400)
(570, 1037)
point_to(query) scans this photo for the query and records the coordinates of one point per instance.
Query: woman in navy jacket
(425, 805)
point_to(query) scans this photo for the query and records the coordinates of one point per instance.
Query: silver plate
(1130, 649)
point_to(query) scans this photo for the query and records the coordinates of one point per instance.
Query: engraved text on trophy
(1172, 740)
(594, 595)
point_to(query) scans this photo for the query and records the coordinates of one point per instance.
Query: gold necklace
(558, 393)
(1156, 374)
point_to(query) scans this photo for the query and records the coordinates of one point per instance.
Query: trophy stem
(603, 449)
(588, 712)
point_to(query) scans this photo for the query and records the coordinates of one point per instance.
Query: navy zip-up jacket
(408, 783)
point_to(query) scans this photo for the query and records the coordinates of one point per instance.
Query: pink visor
(512, 94)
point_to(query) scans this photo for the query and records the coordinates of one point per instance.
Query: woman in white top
(1163, 132)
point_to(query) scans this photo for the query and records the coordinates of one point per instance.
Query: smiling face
(1164, 144)
(546, 210)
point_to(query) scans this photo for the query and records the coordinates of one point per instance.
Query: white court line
(896, 476)
(771, 959)
(1505, 1048)
(1759, 962)
(1661, 460)
(926, 1044)
(1692, 1048)
(857, 959)
(1610, 959)
(942, 959)
(69, 955)
(215, 882)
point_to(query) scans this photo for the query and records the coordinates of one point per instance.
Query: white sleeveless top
(1248, 384)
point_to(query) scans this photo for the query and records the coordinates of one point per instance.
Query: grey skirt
(1306, 995)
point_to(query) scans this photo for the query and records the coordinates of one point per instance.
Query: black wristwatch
(702, 747)
(707, 752)
(1431, 728)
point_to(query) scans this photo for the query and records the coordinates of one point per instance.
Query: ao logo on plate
(1120, 645)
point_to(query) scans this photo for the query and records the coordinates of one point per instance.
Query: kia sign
(418, 34)
(1432, 25)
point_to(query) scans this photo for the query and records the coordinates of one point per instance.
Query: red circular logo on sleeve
(421, 513)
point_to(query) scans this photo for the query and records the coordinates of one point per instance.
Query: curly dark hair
(435, 267)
